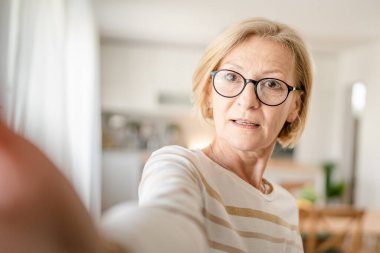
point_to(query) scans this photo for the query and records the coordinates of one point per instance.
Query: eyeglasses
(270, 91)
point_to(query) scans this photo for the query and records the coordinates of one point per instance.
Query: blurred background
(149, 50)
(99, 85)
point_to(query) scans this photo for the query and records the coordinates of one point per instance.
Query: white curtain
(52, 87)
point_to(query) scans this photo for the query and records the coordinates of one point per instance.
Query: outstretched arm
(169, 215)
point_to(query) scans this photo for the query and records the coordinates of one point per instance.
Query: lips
(244, 122)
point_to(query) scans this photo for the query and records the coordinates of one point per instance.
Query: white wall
(363, 64)
(320, 140)
(156, 68)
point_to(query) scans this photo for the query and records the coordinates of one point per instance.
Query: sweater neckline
(238, 179)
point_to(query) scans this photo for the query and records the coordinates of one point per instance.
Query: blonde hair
(234, 36)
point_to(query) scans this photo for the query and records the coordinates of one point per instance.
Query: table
(370, 230)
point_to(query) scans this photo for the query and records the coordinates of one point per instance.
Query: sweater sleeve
(168, 217)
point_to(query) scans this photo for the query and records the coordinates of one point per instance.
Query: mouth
(245, 123)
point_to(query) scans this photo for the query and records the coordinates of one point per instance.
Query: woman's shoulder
(175, 152)
(174, 156)
(174, 166)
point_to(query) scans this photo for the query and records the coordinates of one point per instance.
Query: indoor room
(100, 85)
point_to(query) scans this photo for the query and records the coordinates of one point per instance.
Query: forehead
(260, 55)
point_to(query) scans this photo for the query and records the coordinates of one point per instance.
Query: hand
(39, 209)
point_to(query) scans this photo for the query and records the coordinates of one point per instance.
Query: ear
(294, 109)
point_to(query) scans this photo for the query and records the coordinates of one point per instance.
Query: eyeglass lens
(269, 91)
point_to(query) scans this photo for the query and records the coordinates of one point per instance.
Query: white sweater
(188, 203)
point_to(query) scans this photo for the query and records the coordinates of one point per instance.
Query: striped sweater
(188, 203)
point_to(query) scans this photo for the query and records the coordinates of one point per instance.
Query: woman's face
(243, 121)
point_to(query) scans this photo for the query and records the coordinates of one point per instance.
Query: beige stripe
(210, 190)
(247, 234)
(265, 237)
(217, 219)
(224, 247)
(246, 212)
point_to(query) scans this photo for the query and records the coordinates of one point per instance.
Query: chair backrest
(327, 228)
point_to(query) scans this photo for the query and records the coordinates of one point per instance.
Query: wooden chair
(331, 229)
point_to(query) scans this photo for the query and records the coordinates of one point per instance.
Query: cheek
(277, 118)
(216, 103)
(220, 111)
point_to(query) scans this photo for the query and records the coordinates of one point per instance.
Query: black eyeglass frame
(255, 83)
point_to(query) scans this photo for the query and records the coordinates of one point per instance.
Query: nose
(248, 98)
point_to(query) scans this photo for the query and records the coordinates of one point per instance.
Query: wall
(363, 64)
(320, 140)
(157, 68)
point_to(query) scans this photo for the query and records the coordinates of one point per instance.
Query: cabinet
(121, 173)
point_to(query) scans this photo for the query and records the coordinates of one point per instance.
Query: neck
(248, 165)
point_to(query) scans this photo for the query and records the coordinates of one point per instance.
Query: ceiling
(326, 24)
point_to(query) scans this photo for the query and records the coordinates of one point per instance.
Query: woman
(254, 82)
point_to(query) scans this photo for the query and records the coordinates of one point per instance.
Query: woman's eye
(272, 84)
(231, 77)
